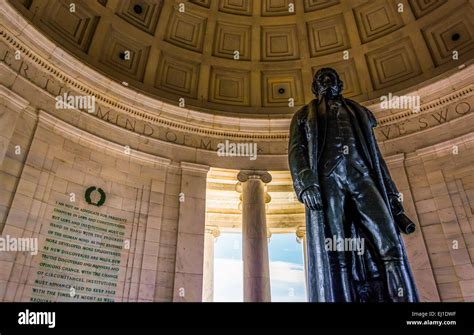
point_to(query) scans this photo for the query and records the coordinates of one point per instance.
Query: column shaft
(208, 272)
(255, 243)
(301, 237)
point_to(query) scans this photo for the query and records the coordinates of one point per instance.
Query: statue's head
(327, 82)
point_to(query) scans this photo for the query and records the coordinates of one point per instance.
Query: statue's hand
(395, 204)
(312, 198)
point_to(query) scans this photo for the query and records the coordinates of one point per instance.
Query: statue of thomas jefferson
(343, 181)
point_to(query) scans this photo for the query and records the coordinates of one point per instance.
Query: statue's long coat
(304, 145)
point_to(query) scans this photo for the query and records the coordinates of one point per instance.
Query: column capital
(238, 188)
(13, 100)
(300, 233)
(213, 230)
(193, 167)
(245, 175)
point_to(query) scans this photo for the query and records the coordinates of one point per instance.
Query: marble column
(210, 235)
(254, 235)
(301, 238)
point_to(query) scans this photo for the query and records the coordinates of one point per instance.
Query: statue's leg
(334, 193)
(381, 230)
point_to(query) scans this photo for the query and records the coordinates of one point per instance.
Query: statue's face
(328, 84)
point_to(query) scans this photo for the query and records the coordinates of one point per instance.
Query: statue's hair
(314, 86)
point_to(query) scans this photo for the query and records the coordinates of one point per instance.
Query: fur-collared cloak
(306, 142)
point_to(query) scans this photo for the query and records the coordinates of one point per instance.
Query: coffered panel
(279, 43)
(204, 3)
(278, 7)
(229, 86)
(177, 76)
(186, 30)
(454, 34)
(327, 35)
(140, 13)
(230, 38)
(239, 7)
(280, 86)
(312, 5)
(73, 29)
(114, 55)
(422, 7)
(376, 19)
(392, 64)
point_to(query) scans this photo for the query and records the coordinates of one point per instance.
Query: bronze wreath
(88, 196)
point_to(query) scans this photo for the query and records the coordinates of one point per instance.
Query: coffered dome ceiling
(244, 57)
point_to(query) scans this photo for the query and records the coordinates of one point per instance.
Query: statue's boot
(342, 287)
(399, 282)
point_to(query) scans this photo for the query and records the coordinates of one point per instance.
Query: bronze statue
(341, 177)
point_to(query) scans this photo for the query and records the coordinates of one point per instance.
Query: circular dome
(257, 58)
